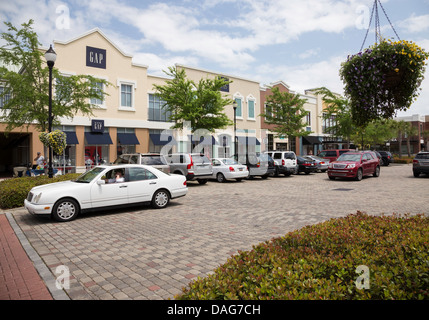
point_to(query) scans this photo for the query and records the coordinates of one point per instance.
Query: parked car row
(156, 179)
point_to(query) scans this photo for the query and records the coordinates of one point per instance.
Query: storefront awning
(98, 138)
(161, 139)
(71, 137)
(128, 139)
(310, 140)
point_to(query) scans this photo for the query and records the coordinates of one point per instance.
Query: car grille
(30, 196)
(339, 166)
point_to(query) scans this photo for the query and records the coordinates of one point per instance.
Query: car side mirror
(100, 182)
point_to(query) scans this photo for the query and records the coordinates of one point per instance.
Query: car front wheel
(359, 175)
(160, 199)
(65, 210)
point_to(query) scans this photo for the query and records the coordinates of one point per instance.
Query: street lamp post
(50, 57)
(234, 105)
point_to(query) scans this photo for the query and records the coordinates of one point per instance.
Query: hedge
(14, 191)
(321, 261)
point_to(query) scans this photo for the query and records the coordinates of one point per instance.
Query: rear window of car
(198, 158)
(152, 160)
(122, 159)
(332, 153)
(290, 155)
(422, 156)
(343, 151)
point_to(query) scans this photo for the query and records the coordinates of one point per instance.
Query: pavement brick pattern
(19, 279)
(142, 253)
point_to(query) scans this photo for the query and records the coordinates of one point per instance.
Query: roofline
(214, 72)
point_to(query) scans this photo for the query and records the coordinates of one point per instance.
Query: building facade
(130, 118)
(310, 144)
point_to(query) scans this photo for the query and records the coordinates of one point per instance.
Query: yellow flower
(396, 70)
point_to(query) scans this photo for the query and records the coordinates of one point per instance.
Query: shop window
(98, 88)
(157, 111)
(251, 109)
(239, 113)
(126, 95)
(4, 97)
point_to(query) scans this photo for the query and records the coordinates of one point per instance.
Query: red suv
(354, 164)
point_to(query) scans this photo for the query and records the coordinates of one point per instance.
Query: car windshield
(349, 157)
(88, 176)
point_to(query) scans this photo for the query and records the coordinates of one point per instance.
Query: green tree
(400, 128)
(410, 131)
(201, 104)
(375, 132)
(27, 90)
(337, 108)
(286, 111)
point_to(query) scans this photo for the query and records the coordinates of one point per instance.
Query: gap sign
(95, 57)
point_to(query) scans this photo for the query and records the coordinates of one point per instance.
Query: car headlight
(330, 165)
(351, 166)
(37, 198)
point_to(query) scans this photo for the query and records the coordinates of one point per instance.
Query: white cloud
(415, 23)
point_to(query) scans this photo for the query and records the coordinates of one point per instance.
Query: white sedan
(99, 189)
(228, 168)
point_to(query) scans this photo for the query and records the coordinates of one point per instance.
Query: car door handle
(123, 186)
(152, 183)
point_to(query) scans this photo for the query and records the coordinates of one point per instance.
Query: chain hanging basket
(55, 139)
(384, 78)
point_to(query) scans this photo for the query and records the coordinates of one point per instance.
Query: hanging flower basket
(383, 79)
(56, 140)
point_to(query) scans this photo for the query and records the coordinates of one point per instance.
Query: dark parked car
(306, 165)
(421, 163)
(386, 158)
(355, 165)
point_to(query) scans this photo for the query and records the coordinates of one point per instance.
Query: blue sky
(301, 42)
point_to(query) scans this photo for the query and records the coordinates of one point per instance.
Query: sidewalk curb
(40, 266)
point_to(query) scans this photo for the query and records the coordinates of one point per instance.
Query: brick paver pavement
(19, 279)
(142, 253)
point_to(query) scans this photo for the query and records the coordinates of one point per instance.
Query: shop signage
(97, 125)
(95, 57)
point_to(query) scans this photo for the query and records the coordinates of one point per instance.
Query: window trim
(133, 85)
(253, 99)
(237, 96)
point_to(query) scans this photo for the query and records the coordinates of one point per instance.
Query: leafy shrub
(14, 191)
(320, 261)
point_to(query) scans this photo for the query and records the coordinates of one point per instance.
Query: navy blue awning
(98, 138)
(159, 139)
(71, 137)
(127, 139)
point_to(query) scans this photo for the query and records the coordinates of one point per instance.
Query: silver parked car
(228, 168)
(194, 166)
(155, 160)
(322, 164)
